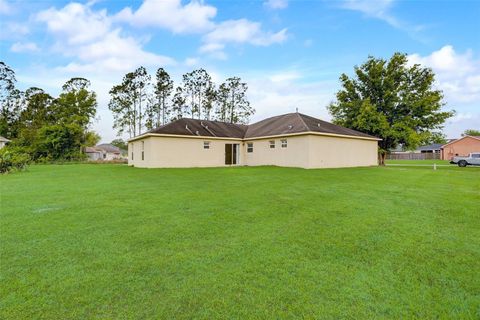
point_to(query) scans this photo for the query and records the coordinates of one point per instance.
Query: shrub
(13, 159)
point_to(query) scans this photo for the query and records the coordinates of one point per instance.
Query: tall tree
(127, 102)
(179, 102)
(199, 93)
(137, 85)
(11, 102)
(391, 100)
(232, 103)
(76, 103)
(121, 105)
(163, 90)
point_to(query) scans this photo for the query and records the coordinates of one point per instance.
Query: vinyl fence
(413, 156)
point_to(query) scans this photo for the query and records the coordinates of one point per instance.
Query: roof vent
(290, 127)
(318, 125)
(197, 133)
(188, 129)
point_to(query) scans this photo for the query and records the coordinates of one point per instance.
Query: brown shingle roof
(296, 123)
(279, 125)
(190, 127)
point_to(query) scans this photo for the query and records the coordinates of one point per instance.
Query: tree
(38, 112)
(163, 90)
(471, 132)
(179, 104)
(127, 102)
(76, 103)
(232, 103)
(11, 102)
(137, 84)
(91, 138)
(198, 90)
(60, 142)
(119, 143)
(391, 100)
(121, 105)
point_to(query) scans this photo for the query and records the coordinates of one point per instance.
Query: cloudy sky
(290, 53)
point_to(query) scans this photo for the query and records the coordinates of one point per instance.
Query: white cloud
(24, 47)
(380, 9)
(280, 92)
(5, 7)
(76, 23)
(276, 4)
(193, 17)
(237, 32)
(88, 37)
(457, 74)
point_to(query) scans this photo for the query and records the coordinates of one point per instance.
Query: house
(460, 147)
(289, 140)
(104, 152)
(3, 142)
(430, 148)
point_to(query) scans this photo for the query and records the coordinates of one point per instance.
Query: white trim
(145, 135)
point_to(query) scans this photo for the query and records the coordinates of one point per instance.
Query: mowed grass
(115, 242)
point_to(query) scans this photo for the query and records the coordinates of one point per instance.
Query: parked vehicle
(473, 159)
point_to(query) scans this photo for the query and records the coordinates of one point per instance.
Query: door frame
(234, 153)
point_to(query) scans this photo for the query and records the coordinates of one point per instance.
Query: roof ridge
(300, 115)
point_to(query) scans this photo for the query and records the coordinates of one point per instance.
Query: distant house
(430, 148)
(104, 152)
(3, 142)
(460, 147)
(289, 140)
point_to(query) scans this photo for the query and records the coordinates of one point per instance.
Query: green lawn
(114, 242)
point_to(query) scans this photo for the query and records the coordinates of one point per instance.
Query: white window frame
(272, 144)
(249, 147)
(206, 145)
(284, 143)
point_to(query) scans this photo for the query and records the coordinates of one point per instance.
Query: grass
(114, 242)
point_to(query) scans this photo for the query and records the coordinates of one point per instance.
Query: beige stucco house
(289, 140)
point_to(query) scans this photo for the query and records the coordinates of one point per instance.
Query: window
(272, 144)
(131, 148)
(143, 148)
(284, 143)
(206, 144)
(475, 155)
(250, 147)
(132, 155)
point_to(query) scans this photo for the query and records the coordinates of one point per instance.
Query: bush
(13, 159)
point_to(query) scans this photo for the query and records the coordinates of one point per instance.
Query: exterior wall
(294, 155)
(173, 152)
(304, 151)
(461, 147)
(335, 152)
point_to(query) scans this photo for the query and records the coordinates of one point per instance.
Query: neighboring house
(290, 140)
(111, 152)
(104, 152)
(93, 153)
(3, 142)
(460, 147)
(430, 148)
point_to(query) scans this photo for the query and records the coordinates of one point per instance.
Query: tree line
(44, 127)
(140, 102)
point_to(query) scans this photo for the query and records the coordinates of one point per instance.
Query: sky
(290, 52)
